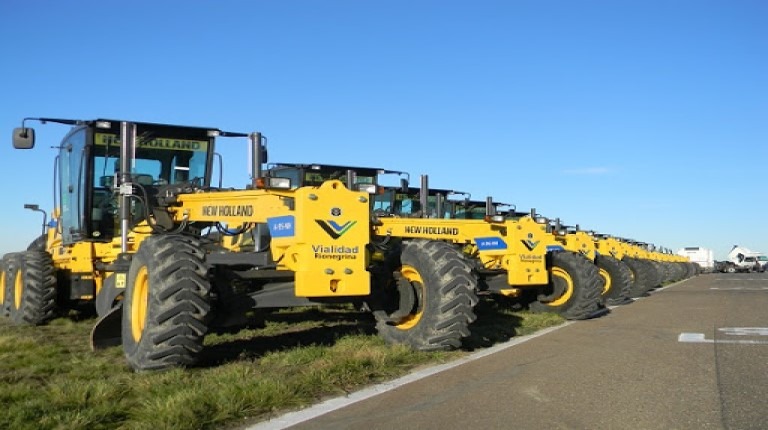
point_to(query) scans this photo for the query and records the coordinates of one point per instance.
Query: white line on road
(744, 331)
(330, 405)
(741, 279)
(699, 338)
(739, 288)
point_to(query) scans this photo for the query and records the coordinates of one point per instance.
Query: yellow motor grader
(615, 275)
(129, 237)
(510, 257)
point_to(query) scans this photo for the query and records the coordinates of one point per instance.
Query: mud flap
(108, 329)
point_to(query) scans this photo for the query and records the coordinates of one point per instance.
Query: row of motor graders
(139, 235)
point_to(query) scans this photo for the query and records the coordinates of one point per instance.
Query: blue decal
(341, 229)
(490, 243)
(553, 248)
(282, 226)
(334, 229)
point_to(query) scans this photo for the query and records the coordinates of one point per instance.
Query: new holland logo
(333, 228)
(530, 243)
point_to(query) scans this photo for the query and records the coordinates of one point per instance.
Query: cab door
(72, 180)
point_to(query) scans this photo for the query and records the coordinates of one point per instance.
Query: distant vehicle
(704, 257)
(745, 260)
(725, 267)
(754, 263)
(763, 260)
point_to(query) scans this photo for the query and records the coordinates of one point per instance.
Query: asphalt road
(691, 356)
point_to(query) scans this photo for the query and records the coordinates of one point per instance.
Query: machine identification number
(282, 226)
(490, 243)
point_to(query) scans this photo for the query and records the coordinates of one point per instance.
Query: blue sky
(644, 119)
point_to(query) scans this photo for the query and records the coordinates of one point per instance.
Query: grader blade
(108, 329)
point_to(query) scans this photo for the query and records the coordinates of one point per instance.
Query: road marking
(741, 279)
(744, 331)
(728, 331)
(293, 418)
(739, 288)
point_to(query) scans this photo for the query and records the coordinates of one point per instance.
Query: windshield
(400, 204)
(159, 159)
(470, 212)
(302, 177)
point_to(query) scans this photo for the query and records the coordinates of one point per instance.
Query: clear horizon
(644, 120)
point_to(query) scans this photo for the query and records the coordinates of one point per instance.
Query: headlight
(494, 218)
(279, 183)
(541, 220)
(367, 188)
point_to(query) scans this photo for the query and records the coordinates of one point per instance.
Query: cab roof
(113, 126)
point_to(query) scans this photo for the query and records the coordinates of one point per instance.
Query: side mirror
(404, 185)
(264, 155)
(23, 138)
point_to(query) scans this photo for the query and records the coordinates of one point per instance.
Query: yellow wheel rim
(413, 276)
(2, 287)
(558, 272)
(18, 290)
(607, 278)
(139, 303)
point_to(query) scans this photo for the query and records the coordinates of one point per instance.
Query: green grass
(51, 380)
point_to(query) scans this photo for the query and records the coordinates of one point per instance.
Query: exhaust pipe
(257, 157)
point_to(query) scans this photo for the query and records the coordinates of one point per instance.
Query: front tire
(39, 243)
(166, 305)
(431, 298)
(574, 288)
(31, 291)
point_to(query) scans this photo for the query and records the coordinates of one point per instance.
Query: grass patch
(51, 379)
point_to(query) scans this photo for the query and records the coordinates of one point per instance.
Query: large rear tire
(31, 291)
(641, 282)
(617, 279)
(430, 301)
(166, 305)
(657, 273)
(574, 288)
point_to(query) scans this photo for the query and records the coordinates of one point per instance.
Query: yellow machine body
(579, 242)
(610, 246)
(517, 246)
(320, 233)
